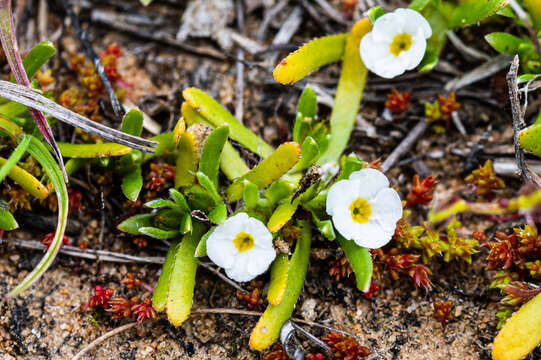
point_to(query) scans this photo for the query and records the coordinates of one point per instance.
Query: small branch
(217, 272)
(518, 117)
(405, 145)
(239, 88)
(102, 339)
(100, 255)
(117, 106)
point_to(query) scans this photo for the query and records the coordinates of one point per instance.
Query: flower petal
(372, 52)
(371, 182)
(387, 208)
(341, 194)
(415, 54)
(344, 223)
(260, 233)
(387, 26)
(414, 21)
(371, 235)
(220, 247)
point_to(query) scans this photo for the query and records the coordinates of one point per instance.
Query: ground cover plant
(332, 192)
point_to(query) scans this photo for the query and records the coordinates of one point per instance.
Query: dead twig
(286, 32)
(239, 83)
(108, 18)
(117, 106)
(405, 145)
(102, 338)
(465, 49)
(271, 14)
(90, 254)
(481, 72)
(518, 117)
(217, 272)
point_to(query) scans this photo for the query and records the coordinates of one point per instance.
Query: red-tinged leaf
(11, 50)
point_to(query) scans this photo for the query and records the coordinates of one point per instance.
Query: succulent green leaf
(26, 180)
(217, 115)
(505, 43)
(179, 200)
(440, 25)
(219, 214)
(360, 260)
(212, 151)
(205, 182)
(132, 224)
(187, 158)
(474, 11)
(186, 224)
(283, 213)
(159, 297)
(92, 151)
(350, 164)
(309, 154)
(251, 195)
(419, 5)
(348, 93)
(14, 158)
(182, 282)
(374, 13)
(530, 139)
(132, 122)
(132, 183)
(308, 102)
(7, 221)
(268, 170)
(231, 163)
(37, 57)
(278, 280)
(158, 233)
(201, 249)
(163, 203)
(277, 191)
(325, 227)
(309, 57)
(267, 329)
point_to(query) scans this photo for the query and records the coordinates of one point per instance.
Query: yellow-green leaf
(521, 334)
(348, 94)
(186, 160)
(91, 151)
(179, 129)
(267, 329)
(218, 115)
(311, 56)
(530, 139)
(283, 213)
(27, 181)
(278, 281)
(182, 282)
(231, 163)
(268, 170)
(159, 297)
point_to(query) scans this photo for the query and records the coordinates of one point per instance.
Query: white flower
(242, 246)
(396, 43)
(364, 209)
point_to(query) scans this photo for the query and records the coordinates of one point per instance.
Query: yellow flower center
(243, 241)
(401, 42)
(360, 210)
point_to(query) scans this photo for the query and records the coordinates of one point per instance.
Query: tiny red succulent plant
(277, 352)
(421, 191)
(101, 297)
(501, 251)
(121, 307)
(340, 268)
(419, 273)
(485, 180)
(131, 281)
(443, 311)
(372, 291)
(48, 239)
(144, 310)
(398, 102)
(345, 347)
(447, 106)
